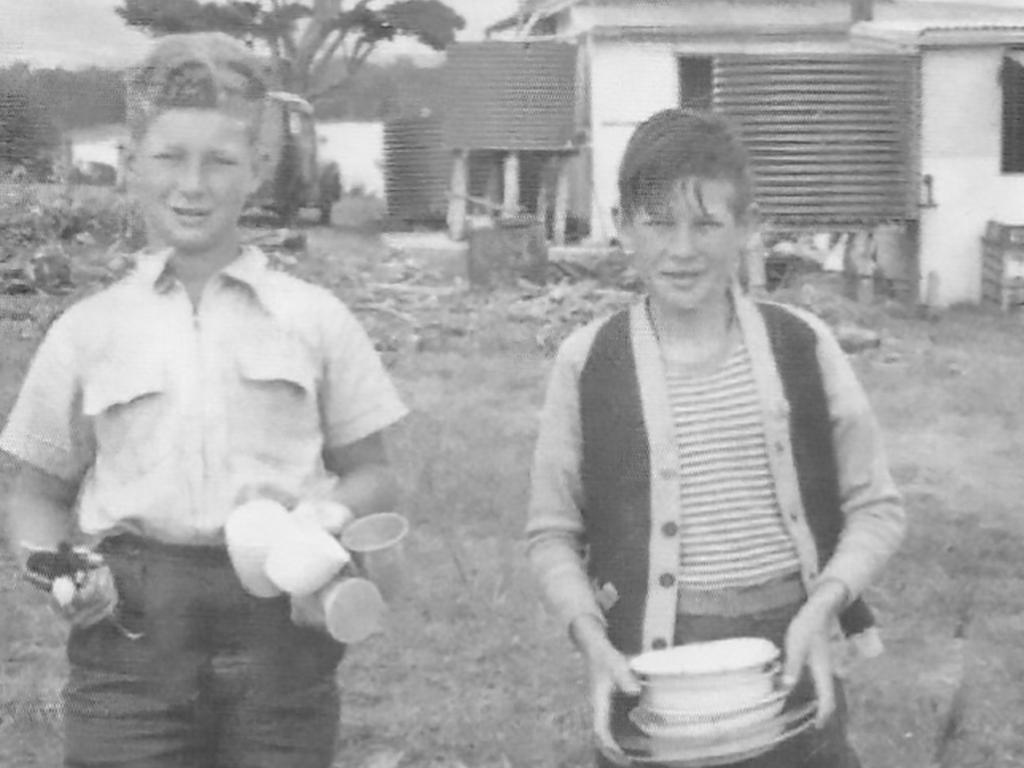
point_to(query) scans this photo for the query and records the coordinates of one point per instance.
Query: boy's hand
(95, 599)
(808, 642)
(332, 516)
(608, 671)
(307, 612)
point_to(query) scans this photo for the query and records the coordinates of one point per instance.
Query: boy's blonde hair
(203, 70)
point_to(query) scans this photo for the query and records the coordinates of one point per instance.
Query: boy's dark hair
(206, 70)
(677, 144)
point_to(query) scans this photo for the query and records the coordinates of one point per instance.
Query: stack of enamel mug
(711, 701)
(340, 569)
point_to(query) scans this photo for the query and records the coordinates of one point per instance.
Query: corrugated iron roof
(926, 33)
(945, 16)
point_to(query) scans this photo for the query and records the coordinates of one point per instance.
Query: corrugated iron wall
(417, 167)
(505, 95)
(831, 137)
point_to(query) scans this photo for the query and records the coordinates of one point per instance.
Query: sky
(80, 33)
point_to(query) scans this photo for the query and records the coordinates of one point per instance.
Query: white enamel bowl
(708, 679)
(700, 726)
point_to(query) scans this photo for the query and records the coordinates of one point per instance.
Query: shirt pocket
(275, 416)
(128, 409)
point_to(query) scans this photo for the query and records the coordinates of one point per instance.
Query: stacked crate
(1002, 280)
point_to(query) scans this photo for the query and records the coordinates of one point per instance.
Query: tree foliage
(306, 40)
(27, 129)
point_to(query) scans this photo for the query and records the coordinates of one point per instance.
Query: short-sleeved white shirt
(169, 416)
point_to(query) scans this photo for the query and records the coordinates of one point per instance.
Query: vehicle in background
(294, 177)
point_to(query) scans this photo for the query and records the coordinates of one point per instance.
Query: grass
(473, 674)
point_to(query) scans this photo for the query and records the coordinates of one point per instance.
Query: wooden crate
(1002, 267)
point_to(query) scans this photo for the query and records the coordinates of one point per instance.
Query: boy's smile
(192, 172)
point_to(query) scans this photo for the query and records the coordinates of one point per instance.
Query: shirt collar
(154, 270)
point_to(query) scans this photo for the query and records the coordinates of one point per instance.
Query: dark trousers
(220, 679)
(813, 748)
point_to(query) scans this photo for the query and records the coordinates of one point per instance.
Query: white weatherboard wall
(629, 82)
(961, 126)
(358, 149)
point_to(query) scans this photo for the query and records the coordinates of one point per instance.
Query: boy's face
(192, 171)
(687, 247)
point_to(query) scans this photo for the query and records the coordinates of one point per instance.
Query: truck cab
(293, 176)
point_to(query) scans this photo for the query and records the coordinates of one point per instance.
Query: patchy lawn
(472, 672)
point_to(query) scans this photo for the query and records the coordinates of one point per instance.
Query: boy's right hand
(608, 671)
(95, 599)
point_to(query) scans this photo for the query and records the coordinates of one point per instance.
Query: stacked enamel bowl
(705, 695)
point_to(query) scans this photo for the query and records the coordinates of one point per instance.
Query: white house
(922, 133)
(970, 140)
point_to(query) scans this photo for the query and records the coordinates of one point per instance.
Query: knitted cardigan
(615, 469)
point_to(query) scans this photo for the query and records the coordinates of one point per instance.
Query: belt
(742, 601)
(132, 544)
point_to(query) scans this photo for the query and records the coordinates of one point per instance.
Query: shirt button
(659, 644)
(667, 580)
(670, 529)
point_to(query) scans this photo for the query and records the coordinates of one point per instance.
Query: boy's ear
(129, 161)
(623, 228)
(751, 217)
(260, 166)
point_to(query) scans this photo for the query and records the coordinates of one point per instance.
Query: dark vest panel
(794, 346)
(615, 475)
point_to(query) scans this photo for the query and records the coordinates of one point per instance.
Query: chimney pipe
(862, 10)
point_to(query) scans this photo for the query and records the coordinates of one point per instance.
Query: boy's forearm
(367, 489)
(36, 521)
(559, 571)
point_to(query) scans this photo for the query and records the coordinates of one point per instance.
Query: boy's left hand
(307, 612)
(808, 643)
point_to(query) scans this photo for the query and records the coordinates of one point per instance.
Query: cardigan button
(670, 529)
(668, 473)
(659, 644)
(667, 580)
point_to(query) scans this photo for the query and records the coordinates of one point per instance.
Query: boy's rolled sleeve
(358, 397)
(875, 520)
(46, 427)
(555, 527)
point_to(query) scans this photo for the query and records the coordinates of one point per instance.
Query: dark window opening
(695, 82)
(1013, 112)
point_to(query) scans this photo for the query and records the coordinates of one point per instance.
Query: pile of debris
(410, 301)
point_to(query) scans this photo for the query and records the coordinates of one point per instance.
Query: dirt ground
(473, 674)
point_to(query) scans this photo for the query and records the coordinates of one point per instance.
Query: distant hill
(80, 99)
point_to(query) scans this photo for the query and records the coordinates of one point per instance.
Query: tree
(27, 132)
(305, 38)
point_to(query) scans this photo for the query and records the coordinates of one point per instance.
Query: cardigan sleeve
(875, 520)
(555, 529)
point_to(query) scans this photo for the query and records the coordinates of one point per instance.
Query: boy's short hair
(677, 144)
(203, 70)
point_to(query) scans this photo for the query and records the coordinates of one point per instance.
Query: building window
(695, 82)
(1013, 112)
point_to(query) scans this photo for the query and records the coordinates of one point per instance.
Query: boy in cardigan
(707, 467)
(152, 409)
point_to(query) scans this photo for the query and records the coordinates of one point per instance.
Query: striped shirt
(731, 529)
